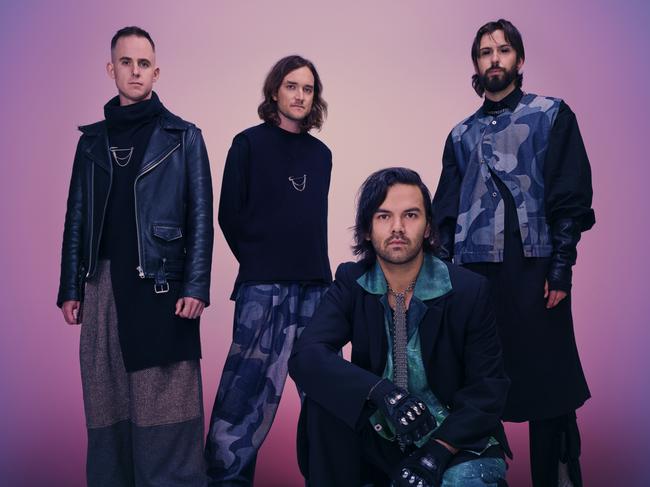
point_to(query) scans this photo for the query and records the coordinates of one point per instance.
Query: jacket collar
(163, 138)
(433, 286)
(432, 282)
(167, 121)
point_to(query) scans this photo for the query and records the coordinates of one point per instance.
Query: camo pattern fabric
(269, 318)
(511, 146)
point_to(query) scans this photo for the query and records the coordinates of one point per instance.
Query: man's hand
(407, 414)
(424, 467)
(70, 311)
(554, 297)
(190, 308)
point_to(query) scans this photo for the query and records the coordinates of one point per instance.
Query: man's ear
(110, 70)
(427, 232)
(520, 64)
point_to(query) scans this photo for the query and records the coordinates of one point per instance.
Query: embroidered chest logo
(299, 183)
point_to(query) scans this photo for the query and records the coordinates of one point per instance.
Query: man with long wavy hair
(419, 403)
(273, 213)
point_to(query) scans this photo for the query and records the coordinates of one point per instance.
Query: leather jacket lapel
(98, 150)
(161, 143)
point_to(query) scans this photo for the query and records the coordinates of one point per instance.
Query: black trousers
(553, 441)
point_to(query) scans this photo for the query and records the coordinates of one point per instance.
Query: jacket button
(494, 122)
(494, 195)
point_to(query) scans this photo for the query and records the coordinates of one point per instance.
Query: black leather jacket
(173, 201)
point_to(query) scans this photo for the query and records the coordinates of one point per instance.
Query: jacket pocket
(168, 233)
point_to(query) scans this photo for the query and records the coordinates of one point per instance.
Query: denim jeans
(482, 472)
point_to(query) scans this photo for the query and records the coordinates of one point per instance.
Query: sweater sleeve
(567, 173)
(234, 191)
(445, 201)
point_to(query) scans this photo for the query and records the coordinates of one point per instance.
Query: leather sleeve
(565, 235)
(72, 248)
(200, 231)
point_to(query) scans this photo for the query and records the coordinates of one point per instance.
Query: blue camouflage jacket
(512, 145)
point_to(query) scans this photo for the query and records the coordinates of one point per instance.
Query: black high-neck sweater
(150, 333)
(273, 206)
(129, 130)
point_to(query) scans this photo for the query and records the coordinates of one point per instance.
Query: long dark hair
(370, 197)
(511, 34)
(268, 109)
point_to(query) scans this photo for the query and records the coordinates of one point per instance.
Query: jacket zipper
(101, 227)
(135, 197)
(92, 210)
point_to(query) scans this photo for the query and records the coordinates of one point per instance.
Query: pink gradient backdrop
(396, 75)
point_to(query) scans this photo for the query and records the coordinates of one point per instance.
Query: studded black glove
(407, 414)
(423, 468)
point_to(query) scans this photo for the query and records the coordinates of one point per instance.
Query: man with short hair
(137, 251)
(420, 401)
(513, 198)
(273, 213)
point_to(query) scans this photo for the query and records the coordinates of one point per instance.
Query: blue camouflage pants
(268, 320)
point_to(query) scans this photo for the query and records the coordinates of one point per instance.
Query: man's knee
(482, 472)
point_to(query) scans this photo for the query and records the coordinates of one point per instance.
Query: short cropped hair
(131, 31)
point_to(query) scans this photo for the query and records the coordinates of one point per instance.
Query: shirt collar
(432, 281)
(510, 102)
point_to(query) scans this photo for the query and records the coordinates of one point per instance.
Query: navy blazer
(460, 350)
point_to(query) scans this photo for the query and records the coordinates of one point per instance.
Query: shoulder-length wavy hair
(268, 109)
(370, 197)
(511, 34)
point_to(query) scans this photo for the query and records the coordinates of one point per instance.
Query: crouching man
(419, 403)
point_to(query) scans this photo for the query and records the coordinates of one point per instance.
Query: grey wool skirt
(145, 428)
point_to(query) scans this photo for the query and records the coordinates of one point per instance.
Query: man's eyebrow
(499, 46)
(289, 82)
(414, 209)
(139, 60)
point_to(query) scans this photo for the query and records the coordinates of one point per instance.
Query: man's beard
(386, 256)
(494, 84)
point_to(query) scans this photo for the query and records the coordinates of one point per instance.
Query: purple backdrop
(396, 75)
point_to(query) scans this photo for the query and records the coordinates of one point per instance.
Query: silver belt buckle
(161, 288)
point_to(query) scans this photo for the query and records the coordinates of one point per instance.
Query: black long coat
(460, 350)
